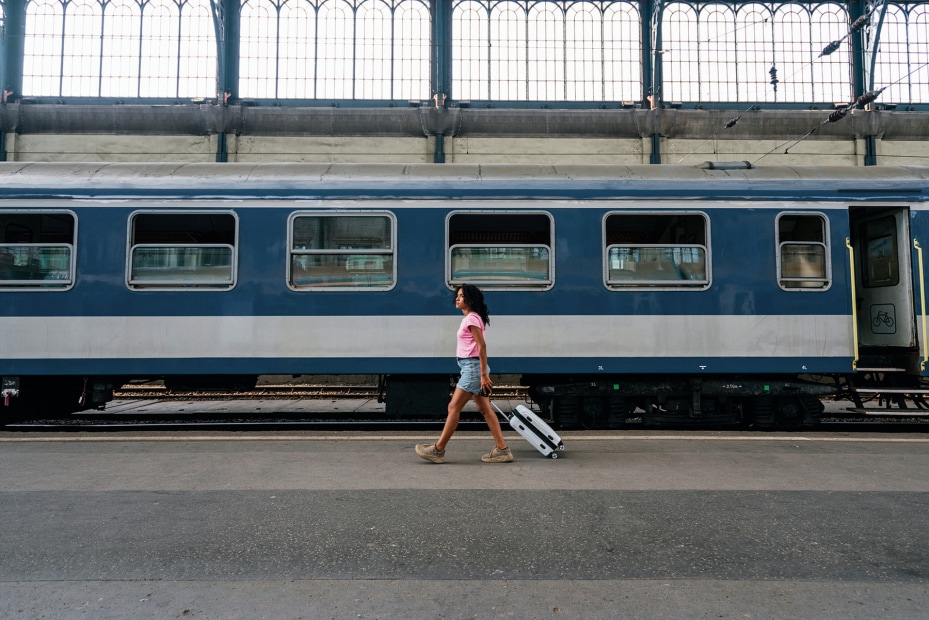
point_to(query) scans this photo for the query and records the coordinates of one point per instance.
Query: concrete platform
(630, 524)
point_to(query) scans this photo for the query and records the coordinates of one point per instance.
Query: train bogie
(669, 294)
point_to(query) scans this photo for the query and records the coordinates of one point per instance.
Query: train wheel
(784, 413)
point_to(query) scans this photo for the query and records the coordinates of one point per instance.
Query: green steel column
(11, 58)
(226, 26)
(14, 36)
(651, 63)
(441, 62)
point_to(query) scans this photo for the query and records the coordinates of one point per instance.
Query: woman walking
(474, 381)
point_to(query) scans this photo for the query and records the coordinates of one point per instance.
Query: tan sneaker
(428, 452)
(498, 456)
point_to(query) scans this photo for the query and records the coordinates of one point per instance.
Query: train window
(500, 250)
(170, 250)
(37, 250)
(802, 252)
(665, 250)
(881, 265)
(343, 251)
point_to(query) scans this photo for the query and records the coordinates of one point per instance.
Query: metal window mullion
(526, 47)
(564, 52)
(102, 39)
(490, 49)
(393, 55)
(699, 24)
(354, 48)
(812, 83)
(180, 37)
(603, 77)
(61, 58)
(138, 81)
(277, 51)
(911, 85)
(735, 43)
(315, 50)
(773, 48)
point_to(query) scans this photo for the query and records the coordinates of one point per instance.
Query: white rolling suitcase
(533, 429)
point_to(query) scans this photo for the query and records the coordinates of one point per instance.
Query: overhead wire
(840, 113)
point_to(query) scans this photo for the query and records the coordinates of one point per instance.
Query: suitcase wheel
(554, 455)
(561, 446)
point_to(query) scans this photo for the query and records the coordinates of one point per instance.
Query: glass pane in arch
(795, 54)
(717, 45)
(755, 54)
(622, 37)
(901, 63)
(335, 72)
(160, 34)
(470, 51)
(890, 64)
(259, 45)
(832, 74)
(373, 51)
(583, 53)
(411, 50)
(80, 67)
(918, 31)
(547, 51)
(122, 30)
(680, 53)
(62, 49)
(508, 53)
(296, 54)
(43, 48)
(197, 69)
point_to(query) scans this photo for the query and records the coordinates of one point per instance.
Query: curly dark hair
(475, 300)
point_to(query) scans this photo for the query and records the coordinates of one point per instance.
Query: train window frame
(211, 284)
(65, 279)
(872, 252)
(803, 282)
(498, 283)
(390, 251)
(675, 253)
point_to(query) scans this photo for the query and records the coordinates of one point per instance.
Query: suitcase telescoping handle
(506, 418)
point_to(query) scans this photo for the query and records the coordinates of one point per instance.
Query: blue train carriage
(683, 295)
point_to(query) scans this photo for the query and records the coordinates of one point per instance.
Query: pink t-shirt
(467, 347)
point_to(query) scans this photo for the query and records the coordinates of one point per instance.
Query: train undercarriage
(672, 402)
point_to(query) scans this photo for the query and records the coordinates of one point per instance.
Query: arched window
(335, 49)
(124, 48)
(546, 51)
(902, 62)
(724, 52)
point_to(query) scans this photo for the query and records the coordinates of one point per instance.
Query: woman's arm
(486, 383)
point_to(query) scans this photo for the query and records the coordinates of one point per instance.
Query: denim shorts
(470, 380)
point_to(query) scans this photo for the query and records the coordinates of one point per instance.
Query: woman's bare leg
(493, 422)
(459, 399)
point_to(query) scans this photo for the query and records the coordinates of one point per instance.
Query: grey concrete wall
(618, 136)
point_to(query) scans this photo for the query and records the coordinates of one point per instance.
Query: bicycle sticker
(883, 319)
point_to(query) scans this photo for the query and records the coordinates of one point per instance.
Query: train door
(884, 281)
